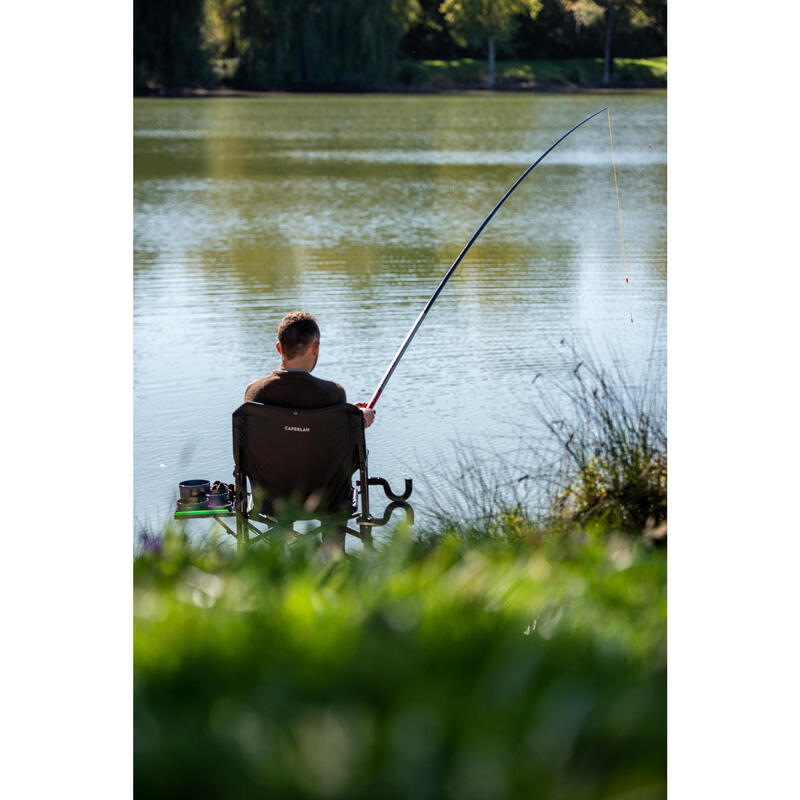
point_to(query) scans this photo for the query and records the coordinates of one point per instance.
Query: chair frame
(246, 516)
(246, 531)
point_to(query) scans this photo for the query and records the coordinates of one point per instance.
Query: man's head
(298, 340)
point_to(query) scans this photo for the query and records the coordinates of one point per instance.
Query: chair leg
(242, 533)
(364, 487)
(366, 536)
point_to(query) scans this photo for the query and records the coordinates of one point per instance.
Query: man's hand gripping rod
(421, 317)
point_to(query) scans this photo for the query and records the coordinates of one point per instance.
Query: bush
(409, 72)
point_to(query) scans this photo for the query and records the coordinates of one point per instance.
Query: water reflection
(361, 531)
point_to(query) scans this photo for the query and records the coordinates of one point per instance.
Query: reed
(597, 454)
(607, 442)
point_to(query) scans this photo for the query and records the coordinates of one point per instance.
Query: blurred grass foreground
(507, 657)
(528, 664)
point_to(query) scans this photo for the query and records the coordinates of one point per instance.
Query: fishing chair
(299, 464)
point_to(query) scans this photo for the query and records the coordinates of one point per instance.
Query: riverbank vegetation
(544, 73)
(507, 655)
(328, 45)
(605, 456)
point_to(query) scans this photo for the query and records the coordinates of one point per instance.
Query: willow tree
(167, 44)
(295, 44)
(491, 21)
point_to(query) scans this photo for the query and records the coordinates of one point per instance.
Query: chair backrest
(299, 458)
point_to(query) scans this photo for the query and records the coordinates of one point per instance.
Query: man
(292, 385)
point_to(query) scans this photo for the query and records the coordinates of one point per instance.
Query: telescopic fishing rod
(421, 317)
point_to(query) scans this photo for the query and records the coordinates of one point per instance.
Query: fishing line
(619, 207)
(421, 317)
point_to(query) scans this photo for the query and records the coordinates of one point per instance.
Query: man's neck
(295, 365)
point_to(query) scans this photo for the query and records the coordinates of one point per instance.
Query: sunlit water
(352, 208)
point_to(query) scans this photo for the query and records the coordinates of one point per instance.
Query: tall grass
(598, 454)
(469, 494)
(607, 444)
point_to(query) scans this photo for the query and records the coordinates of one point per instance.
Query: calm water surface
(352, 208)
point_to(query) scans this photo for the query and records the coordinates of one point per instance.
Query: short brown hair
(297, 331)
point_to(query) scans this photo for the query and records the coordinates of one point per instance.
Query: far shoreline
(188, 92)
(432, 77)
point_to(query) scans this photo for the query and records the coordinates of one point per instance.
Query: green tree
(634, 15)
(222, 27)
(429, 35)
(489, 21)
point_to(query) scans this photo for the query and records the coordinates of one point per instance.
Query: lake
(353, 207)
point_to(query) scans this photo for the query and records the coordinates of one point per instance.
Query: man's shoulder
(332, 392)
(331, 386)
(283, 387)
(259, 383)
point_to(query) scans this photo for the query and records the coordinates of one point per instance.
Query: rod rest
(388, 490)
(374, 522)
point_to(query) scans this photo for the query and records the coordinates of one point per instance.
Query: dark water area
(353, 208)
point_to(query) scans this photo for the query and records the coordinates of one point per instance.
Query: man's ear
(278, 347)
(315, 347)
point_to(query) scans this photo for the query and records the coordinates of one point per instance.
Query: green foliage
(409, 72)
(321, 43)
(460, 70)
(291, 44)
(222, 27)
(611, 442)
(587, 12)
(429, 35)
(475, 21)
(639, 26)
(560, 29)
(168, 46)
(640, 70)
(509, 664)
(546, 72)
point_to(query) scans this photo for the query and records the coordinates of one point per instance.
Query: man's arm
(369, 414)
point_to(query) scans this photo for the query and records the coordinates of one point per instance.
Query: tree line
(360, 44)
